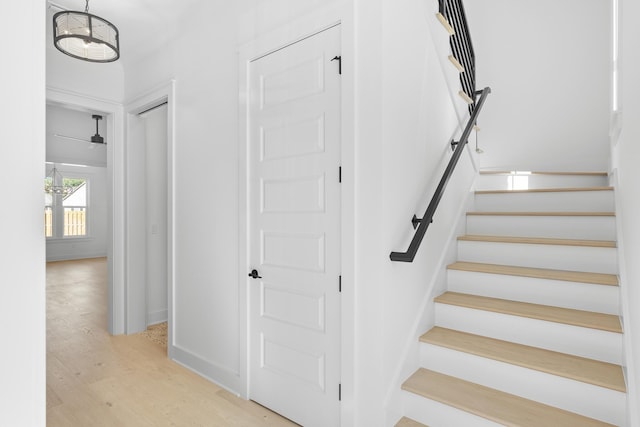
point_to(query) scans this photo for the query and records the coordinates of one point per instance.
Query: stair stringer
(629, 359)
(395, 400)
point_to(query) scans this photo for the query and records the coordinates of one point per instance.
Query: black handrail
(427, 218)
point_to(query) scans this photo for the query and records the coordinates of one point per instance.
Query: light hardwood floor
(94, 379)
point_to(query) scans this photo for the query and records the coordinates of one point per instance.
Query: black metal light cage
(86, 36)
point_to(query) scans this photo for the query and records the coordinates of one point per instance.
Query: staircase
(528, 332)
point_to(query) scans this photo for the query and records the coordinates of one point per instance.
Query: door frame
(120, 310)
(279, 38)
(136, 296)
(116, 255)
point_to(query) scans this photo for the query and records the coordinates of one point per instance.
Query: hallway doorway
(113, 125)
(149, 210)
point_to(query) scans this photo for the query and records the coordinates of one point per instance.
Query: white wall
(548, 63)
(257, 18)
(368, 306)
(156, 213)
(625, 165)
(22, 274)
(205, 323)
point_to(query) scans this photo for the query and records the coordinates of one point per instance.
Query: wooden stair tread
(491, 404)
(539, 241)
(577, 368)
(445, 23)
(501, 213)
(545, 190)
(586, 319)
(465, 97)
(544, 173)
(408, 422)
(456, 63)
(538, 273)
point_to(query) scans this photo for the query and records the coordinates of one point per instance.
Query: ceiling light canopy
(86, 36)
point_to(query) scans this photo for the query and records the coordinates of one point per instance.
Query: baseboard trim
(156, 317)
(74, 257)
(219, 375)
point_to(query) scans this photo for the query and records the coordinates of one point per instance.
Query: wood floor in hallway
(95, 379)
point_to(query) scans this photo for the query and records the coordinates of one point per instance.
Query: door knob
(254, 274)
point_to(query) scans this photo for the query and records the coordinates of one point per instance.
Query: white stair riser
(432, 413)
(501, 182)
(561, 227)
(585, 399)
(578, 296)
(556, 257)
(585, 342)
(570, 201)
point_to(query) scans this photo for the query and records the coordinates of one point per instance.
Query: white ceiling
(144, 25)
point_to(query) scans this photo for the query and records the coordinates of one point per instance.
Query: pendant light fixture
(86, 36)
(54, 183)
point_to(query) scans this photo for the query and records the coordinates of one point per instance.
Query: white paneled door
(294, 160)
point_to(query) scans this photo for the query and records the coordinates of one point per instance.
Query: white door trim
(284, 36)
(136, 296)
(115, 172)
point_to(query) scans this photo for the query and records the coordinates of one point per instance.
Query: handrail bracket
(415, 221)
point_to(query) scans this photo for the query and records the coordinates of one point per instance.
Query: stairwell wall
(421, 113)
(625, 155)
(549, 67)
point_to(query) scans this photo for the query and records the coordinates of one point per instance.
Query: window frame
(58, 209)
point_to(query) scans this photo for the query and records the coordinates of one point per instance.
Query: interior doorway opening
(75, 185)
(127, 298)
(112, 127)
(149, 211)
(148, 227)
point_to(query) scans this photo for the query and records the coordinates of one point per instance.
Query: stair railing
(451, 14)
(427, 218)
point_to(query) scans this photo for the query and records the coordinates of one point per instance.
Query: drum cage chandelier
(85, 36)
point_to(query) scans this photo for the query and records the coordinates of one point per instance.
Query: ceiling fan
(96, 139)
